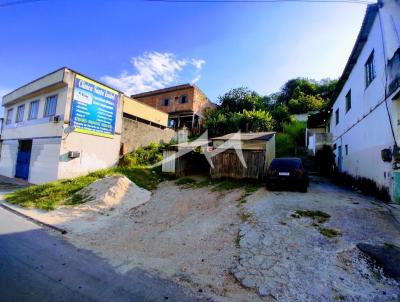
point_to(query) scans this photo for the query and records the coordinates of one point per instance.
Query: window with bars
(370, 73)
(33, 110)
(51, 106)
(20, 114)
(9, 116)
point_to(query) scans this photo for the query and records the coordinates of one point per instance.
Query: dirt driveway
(302, 247)
(275, 246)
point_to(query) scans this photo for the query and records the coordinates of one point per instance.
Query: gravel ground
(286, 258)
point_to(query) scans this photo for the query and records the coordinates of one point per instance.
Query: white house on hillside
(365, 114)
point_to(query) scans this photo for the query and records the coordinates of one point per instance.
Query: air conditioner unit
(55, 118)
(74, 154)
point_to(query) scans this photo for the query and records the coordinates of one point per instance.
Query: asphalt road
(38, 266)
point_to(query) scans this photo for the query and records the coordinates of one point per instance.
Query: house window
(9, 116)
(348, 101)
(370, 70)
(337, 116)
(184, 99)
(346, 148)
(33, 110)
(20, 114)
(165, 102)
(51, 105)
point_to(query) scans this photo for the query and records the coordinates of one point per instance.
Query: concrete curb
(6, 207)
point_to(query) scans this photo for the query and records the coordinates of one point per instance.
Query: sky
(137, 46)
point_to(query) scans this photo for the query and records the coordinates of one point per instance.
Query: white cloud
(155, 70)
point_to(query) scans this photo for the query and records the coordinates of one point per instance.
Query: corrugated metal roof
(259, 136)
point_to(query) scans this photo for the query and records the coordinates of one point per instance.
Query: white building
(365, 116)
(64, 125)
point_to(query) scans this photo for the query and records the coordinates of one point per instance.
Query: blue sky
(146, 45)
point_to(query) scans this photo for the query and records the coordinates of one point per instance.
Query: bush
(284, 145)
(143, 156)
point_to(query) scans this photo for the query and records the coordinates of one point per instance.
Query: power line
(17, 2)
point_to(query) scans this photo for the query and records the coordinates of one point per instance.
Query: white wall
(365, 128)
(96, 152)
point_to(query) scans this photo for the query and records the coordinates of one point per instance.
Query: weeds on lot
(245, 216)
(219, 185)
(330, 233)
(65, 192)
(317, 216)
(185, 181)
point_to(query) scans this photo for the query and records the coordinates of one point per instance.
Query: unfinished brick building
(185, 105)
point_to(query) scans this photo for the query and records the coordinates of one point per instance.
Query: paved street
(37, 266)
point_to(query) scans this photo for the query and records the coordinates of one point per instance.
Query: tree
(239, 99)
(281, 116)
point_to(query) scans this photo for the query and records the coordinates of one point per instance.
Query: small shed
(258, 150)
(185, 158)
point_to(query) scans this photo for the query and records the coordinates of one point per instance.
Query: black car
(287, 171)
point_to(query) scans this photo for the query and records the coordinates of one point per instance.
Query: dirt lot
(192, 237)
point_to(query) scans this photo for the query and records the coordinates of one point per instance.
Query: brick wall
(197, 100)
(138, 134)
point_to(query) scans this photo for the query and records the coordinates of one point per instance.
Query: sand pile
(113, 192)
(106, 199)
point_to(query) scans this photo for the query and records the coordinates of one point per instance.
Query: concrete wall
(197, 100)
(138, 134)
(45, 135)
(44, 160)
(146, 112)
(96, 152)
(365, 129)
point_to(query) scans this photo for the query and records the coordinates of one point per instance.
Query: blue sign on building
(94, 108)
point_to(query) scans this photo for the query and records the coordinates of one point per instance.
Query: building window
(337, 116)
(9, 116)
(370, 70)
(348, 101)
(346, 148)
(33, 110)
(184, 99)
(165, 102)
(20, 114)
(51, 106)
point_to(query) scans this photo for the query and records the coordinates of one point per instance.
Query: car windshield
(285, 164)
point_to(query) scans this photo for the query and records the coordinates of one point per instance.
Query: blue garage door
(23, 159)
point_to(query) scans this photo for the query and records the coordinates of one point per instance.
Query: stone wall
(139, 134)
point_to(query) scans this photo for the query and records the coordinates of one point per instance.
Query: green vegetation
(318, 216)
(185, 181)
(330, 233)
(245, 216)
(144, 156)
(292, 136)
(65, 192)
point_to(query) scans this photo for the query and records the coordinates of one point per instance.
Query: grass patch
(330, 233)
(185, 181)
(317, 216)
(245, 216)
(390, 245)
(64, 192)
